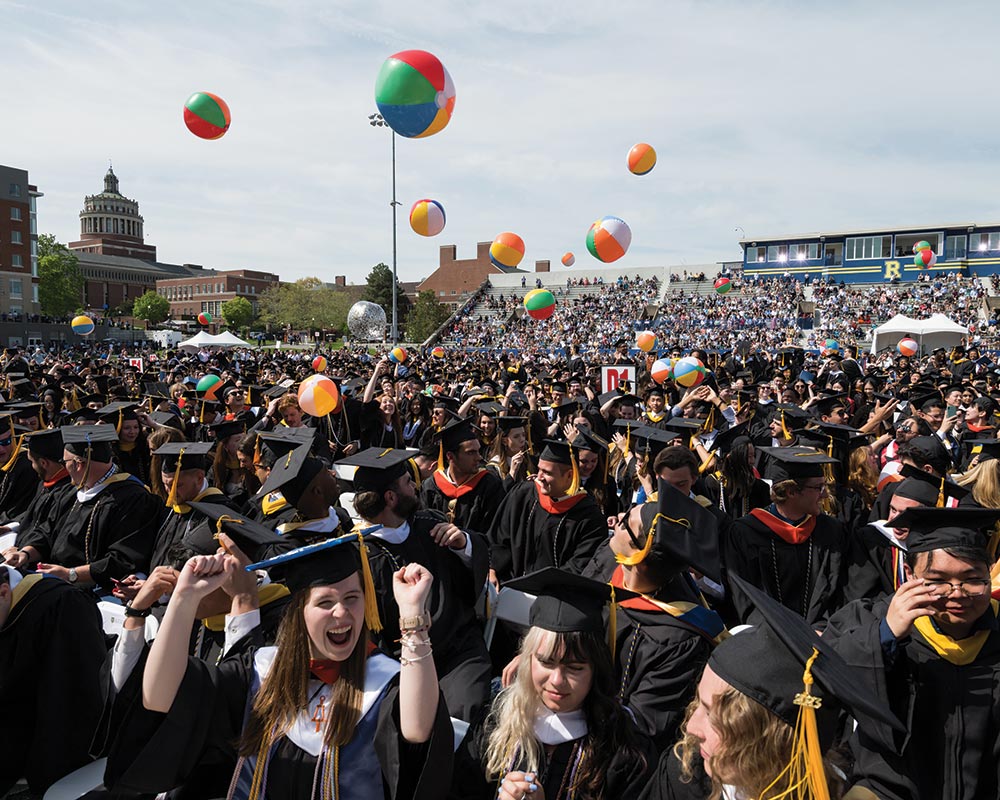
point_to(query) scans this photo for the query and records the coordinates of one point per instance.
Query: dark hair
(178, 555)
(939, 463)
(4, 575)
(973, 555)
(737, 474)
(369, 504)
(985, 405)
(676, 457)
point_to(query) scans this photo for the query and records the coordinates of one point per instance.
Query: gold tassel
(441, 456)
(371, 606)
(172, 494)
(256, 451)
(784, 430)
(415, 470)
(709, 423)
(574, 486)
(640, 556)
(612, 624)
(14, 453)
(118, 426)
(218, 529)
(940, 497)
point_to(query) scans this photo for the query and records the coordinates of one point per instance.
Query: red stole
(56, 478)
(793, 534)
(328, 670)
(453, 491)
(558, 506)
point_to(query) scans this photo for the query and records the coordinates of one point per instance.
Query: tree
(307, 304)
(152, 308)
(60, 284)
(379, 290)
(426, 316)
(238, 313)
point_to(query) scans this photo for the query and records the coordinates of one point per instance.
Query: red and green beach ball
(208, 386)
(207, 115)
(415, 94)
(539, 303)
(204, 318)
(722, 285)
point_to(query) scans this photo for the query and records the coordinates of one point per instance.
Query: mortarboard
(916, 489)
(251, 537)
(825, 405)
(650, 441)
(454, 433)
(796, 463)
(730, 438)
(178, 456)
(46, 444)
(92, 441)
(508, 424)
(986, 449)
(83, 414)
(116, 413)
(939, 528)
(490, 407)
(166, 418)
(945, 488)
(231, 427)
(156, 389)
(378, 468)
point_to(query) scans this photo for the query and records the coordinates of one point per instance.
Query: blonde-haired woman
(509, 454)
(321, 715)
(558, 731)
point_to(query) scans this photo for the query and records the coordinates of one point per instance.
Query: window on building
(803, 252)
(15, 190)
(34, 293)
(905, 242)
(15, 260)
(777, 252)
(755, 254)
(15, 237)
(15, 214)
(954, 247)
(15, 288)
(984, 242)
(868, 247)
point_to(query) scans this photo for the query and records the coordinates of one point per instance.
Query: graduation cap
(730, 438)
(915, 489)
(792, 418)
(922, 402)
(940, 528)
(178, 456)
(292, 473)
(116, 413)
(276, 391)
(796, 463)
(86, 399)
(928, 449)
(83, 414)
(326, 563)
(678, 530)
(945, 488)
(986, 449)
(623, 397)
(452, 435)
(566, 602)
(784, 666)
(378, 468)
(507, 424)
(249, 536)
(158, 390)
(90, 441)
(571, 405)
(824, 405)
(681, 426)
(230, 427)
(168, 418)
(45, 444)
(254, 396)
(22, 388)
(491, 408)
(446, 401)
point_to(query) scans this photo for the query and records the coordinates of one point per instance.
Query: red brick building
(206, 290)
(18, 243)
(455, 279)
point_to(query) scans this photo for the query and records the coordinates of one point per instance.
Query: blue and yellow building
(871, 256)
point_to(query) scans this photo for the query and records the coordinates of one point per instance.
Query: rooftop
(750, 240)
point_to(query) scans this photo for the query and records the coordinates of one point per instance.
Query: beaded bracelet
(403, 661)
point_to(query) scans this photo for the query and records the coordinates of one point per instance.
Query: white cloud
(773, 116)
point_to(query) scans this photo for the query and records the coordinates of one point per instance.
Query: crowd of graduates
(481, 576)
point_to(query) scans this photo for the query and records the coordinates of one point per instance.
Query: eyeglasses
(622, 521)
(65, 461)
(971, 588)
(821, 488)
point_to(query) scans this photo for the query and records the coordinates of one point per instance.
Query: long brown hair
(161, 435)
(285, 690)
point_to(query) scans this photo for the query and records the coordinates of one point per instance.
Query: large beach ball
(398, 355)
(507, 250)
(319, 364)
(427, 217)
(82, 325)
(921, 245)
(662, 370)
(207, 115)
(641, 159)
(204, 318)
(908, 347)
(722, 285)
(415, 94)
(318, 396)
(437, 352)
(568, 259)
(208, 386)
(608, 239)
(539, 303)
(925, 259)
(645, 341)
(831, 347)
(689, 372)
(366, 320)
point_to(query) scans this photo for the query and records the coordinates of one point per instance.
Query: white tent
(199, 340)
(227, 339)
(931, 333)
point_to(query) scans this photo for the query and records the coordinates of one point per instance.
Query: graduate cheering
(321, 715)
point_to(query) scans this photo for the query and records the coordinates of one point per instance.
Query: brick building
(18, 243)
(207, 289)
(456, 279)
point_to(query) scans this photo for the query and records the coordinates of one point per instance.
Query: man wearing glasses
(933, 647)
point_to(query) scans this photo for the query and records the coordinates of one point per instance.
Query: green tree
(426, 316)
(379, 290)
(125, 307)
(60, 284)
(307, 304)
(151, 307)
(238, 313)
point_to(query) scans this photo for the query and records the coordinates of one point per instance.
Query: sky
(767, 118)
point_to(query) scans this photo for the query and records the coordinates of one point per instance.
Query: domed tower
(110, 224)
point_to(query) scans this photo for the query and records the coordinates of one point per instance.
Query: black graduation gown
(525, 537)
(49, 503)
(112, 532)
(870, 572)
(473, 511)
(952, 713)
(135, 461)
(155, 752)
(17, 487)
(460, 655)
(51, 651)
(668, 783)
(254, 509)
(624, 773)
(809, 578)
(193, 530)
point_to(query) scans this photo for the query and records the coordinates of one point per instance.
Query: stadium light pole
(378, 121)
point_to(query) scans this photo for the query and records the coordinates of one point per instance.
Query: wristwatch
(72, 577)
(422, 620)
(136, 612)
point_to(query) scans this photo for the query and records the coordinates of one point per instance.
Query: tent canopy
(203, 339)
(931, 333)
(227, 339)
